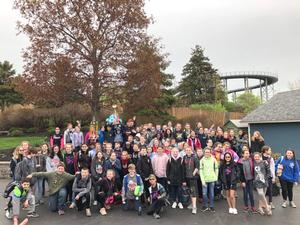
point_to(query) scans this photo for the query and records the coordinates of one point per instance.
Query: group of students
(146, 165)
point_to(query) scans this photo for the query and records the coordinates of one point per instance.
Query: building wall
(280, 136)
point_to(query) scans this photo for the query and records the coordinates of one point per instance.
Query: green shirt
(55, 181)
(209, 170)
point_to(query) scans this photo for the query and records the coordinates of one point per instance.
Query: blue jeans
(209, 188)
(39, 189)
(57, 201)
(248, 193)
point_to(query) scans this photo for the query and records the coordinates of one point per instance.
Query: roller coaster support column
(267, 94)
(261, 92)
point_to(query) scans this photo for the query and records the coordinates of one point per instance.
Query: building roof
(283, 107)
(237, 123)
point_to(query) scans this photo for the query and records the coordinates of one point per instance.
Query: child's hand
(25, 204)
(243, 184)
(77, 197)
(29, 176)
(184, 184)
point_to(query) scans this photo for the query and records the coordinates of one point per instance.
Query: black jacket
(256, 145)
(234, 173)
(144, 167)
(175, 171)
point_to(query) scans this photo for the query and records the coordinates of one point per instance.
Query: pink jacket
(159, 165)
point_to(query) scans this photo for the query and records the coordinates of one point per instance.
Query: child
(175, 177)
(106, 191)
(135, 154)
(114, 164)
(98, 172)
(287, 169)
(190, 171)
(82, 159)
(246, 169)
(57, 182)
(261, 175)
(40, 165)
(267, 156)
(209, 175)
(55, 157)
(132, 189)
(26, 166)
(81, 187)
(125, 161)
(157, 197)
(16, 158)
(70, 165)
(144, 168)
(22, 195)
(159, 165)
(118, 150)
(229, 176)
(57, 139)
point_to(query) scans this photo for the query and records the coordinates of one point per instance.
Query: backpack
(10, 187)
(185, 195)
(138, 181)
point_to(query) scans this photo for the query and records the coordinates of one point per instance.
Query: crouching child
(132, 190)
(157, 197)
(22, 197)
(82, 191)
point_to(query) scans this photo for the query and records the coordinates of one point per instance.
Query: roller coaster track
(266, 82)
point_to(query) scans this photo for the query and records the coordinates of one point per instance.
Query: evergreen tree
(201, 82)
(8, 95)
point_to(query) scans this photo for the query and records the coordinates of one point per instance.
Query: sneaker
(284, 204)
(194, 210)
(272, 205)
(140, 211)
(103, 212)
(261, 211)
(246, 209)
(95, 203)
(88, 213)
(253, 210)
(204, 209)
(72, 206)
(37, 204)
(42, 202)
(32, 215)
(180, 206)
(174, 205)
(212, 209)
(190, 206)
(230, 210)
(269, 211)
(293, 204)
(61, 212)
(234, 211)
(156, 216)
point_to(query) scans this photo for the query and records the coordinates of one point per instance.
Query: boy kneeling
(157, 197)
(82, 187)
(132, 190)
(22, 195)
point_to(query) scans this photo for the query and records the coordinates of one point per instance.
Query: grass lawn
(12, 142)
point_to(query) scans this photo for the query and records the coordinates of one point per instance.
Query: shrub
(16, 133)
(51, 130)
(31, 130)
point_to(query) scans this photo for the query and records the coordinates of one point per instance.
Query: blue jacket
(101, 136)
(290, 170)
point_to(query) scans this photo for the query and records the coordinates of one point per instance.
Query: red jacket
(196, 145)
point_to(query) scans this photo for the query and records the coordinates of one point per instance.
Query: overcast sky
(262, 35)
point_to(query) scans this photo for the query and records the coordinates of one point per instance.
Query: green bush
(31, 130)
(16, 133)
(51, 130)
(211, 107)
(85, 128)
(15, 128)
